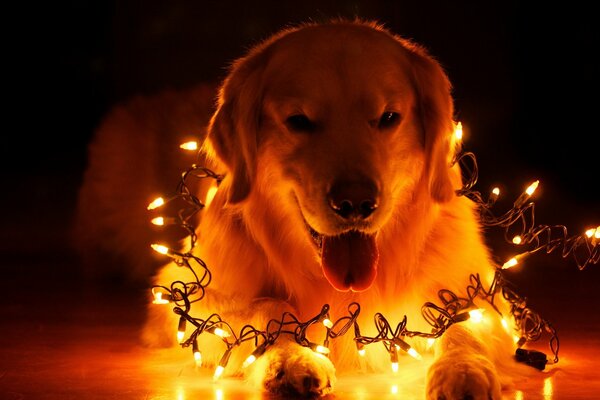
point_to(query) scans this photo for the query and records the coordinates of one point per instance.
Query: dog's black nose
(353, 198)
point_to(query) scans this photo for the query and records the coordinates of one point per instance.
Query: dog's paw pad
(457, 377)
(299, 372)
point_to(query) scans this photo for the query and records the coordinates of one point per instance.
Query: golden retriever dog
(336, 141)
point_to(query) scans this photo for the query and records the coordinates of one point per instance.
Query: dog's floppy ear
(233, 130)
(435, 110)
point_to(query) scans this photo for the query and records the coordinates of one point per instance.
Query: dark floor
(64, 339)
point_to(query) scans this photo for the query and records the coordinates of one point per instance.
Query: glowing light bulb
(321, 349)
(222, 333)
(255, 354)
(510, 263)
(516, 338)
(394, 358)
(181, 330)
(531, 188)
(159, 248)
(458, 131)
(222, 364)
(414, 354)
(595, 232)
(191, 145)
(327, 322)
(197, 354)
(210, 195)
(401, 344)
(251, 358)
(361, 349)
(394, 389)
(476, 315)
(158, 221)
(590, 232)
(430, 342)
(519, 340)
(494, 195)
(219, 332)
(158, 299)
(504, 324)
(527, 194)
(218, 372)
(517, 239)
(159, 201)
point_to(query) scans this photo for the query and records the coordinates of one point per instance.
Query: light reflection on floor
(548, 390)
(351, 387)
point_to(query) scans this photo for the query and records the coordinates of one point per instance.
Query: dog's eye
(300, 123)
(388, 119)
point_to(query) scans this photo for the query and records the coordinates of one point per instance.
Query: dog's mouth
(349, 260)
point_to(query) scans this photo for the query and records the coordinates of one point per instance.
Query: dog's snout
(352, 199)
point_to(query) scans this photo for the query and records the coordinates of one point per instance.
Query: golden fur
(343, 76)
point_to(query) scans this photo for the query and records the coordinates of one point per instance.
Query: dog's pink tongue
(350, 260)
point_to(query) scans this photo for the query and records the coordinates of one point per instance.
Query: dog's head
(354, 120)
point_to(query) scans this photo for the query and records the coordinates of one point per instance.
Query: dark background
(525, 84)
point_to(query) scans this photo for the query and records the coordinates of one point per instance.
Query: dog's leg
(290, 369)
(286, 367)
(463, 368)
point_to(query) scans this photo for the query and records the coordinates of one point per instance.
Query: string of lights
(520, 229)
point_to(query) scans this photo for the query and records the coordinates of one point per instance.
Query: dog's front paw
(458, 376)
(293, 370)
